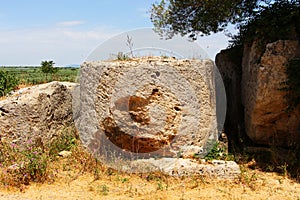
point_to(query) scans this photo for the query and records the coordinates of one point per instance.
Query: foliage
(216, 153)
(190, 17)
(122, 56)
(33, 75)
(193, 17)
(103, 189)
(65, 141)
(48, 67)
(35, 163)
(24, 163)
(8, 82)
(29, 161)
(292, 85)
(279, 21)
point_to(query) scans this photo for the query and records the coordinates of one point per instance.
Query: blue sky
(66, 31)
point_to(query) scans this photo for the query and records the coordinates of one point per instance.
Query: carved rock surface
(147, 105)
(266, 118)
(39, 111)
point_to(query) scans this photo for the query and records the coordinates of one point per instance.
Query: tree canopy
(48, 67)
(203, 17)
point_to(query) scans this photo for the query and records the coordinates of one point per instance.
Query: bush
(22, 164)
(65, 141)
(280, 21)
(7, 82)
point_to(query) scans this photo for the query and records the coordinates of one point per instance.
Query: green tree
(203, 17)
(48, 67)
(279, 21)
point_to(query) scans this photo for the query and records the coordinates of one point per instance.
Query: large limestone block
(266, 118)
(37, 112)
(160, 106)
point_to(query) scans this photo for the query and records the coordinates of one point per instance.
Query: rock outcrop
(266, 118)
(36, 112)
(254, 86)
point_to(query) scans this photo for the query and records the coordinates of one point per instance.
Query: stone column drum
(150, 106)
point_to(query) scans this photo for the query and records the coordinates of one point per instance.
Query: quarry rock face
(266, 118)
(256, 102)
(37, 112)
(158, 106)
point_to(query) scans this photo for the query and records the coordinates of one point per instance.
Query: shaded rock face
(36, 112)
(148, 104)
(256, 104)
(266, 119)
(229, 64)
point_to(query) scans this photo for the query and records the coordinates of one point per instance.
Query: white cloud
(90, 35)
(71, 23)
(64, 46)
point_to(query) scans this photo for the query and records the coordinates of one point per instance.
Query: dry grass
(80, 176)
(70, 183)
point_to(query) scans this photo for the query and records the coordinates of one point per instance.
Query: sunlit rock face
(152, 105)
(38, 112)
(267, 120)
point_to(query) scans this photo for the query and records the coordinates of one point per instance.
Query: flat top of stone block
(149, 59)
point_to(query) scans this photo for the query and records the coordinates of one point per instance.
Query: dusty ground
(253, 184)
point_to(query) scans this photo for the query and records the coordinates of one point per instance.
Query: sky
(67, 31)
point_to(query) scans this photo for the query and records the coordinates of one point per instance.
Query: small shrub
(67, 140)
(122, 56)
(216, 153)
(22, 163)
(103, 189)
(8, 82)
(123, 180)
(35, 162)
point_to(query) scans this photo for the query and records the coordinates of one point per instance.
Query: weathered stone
(184, 167)
(148, 104)
(37, 112)
(266, 118)
(12, 168)
(65, 153)
(256, 104)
